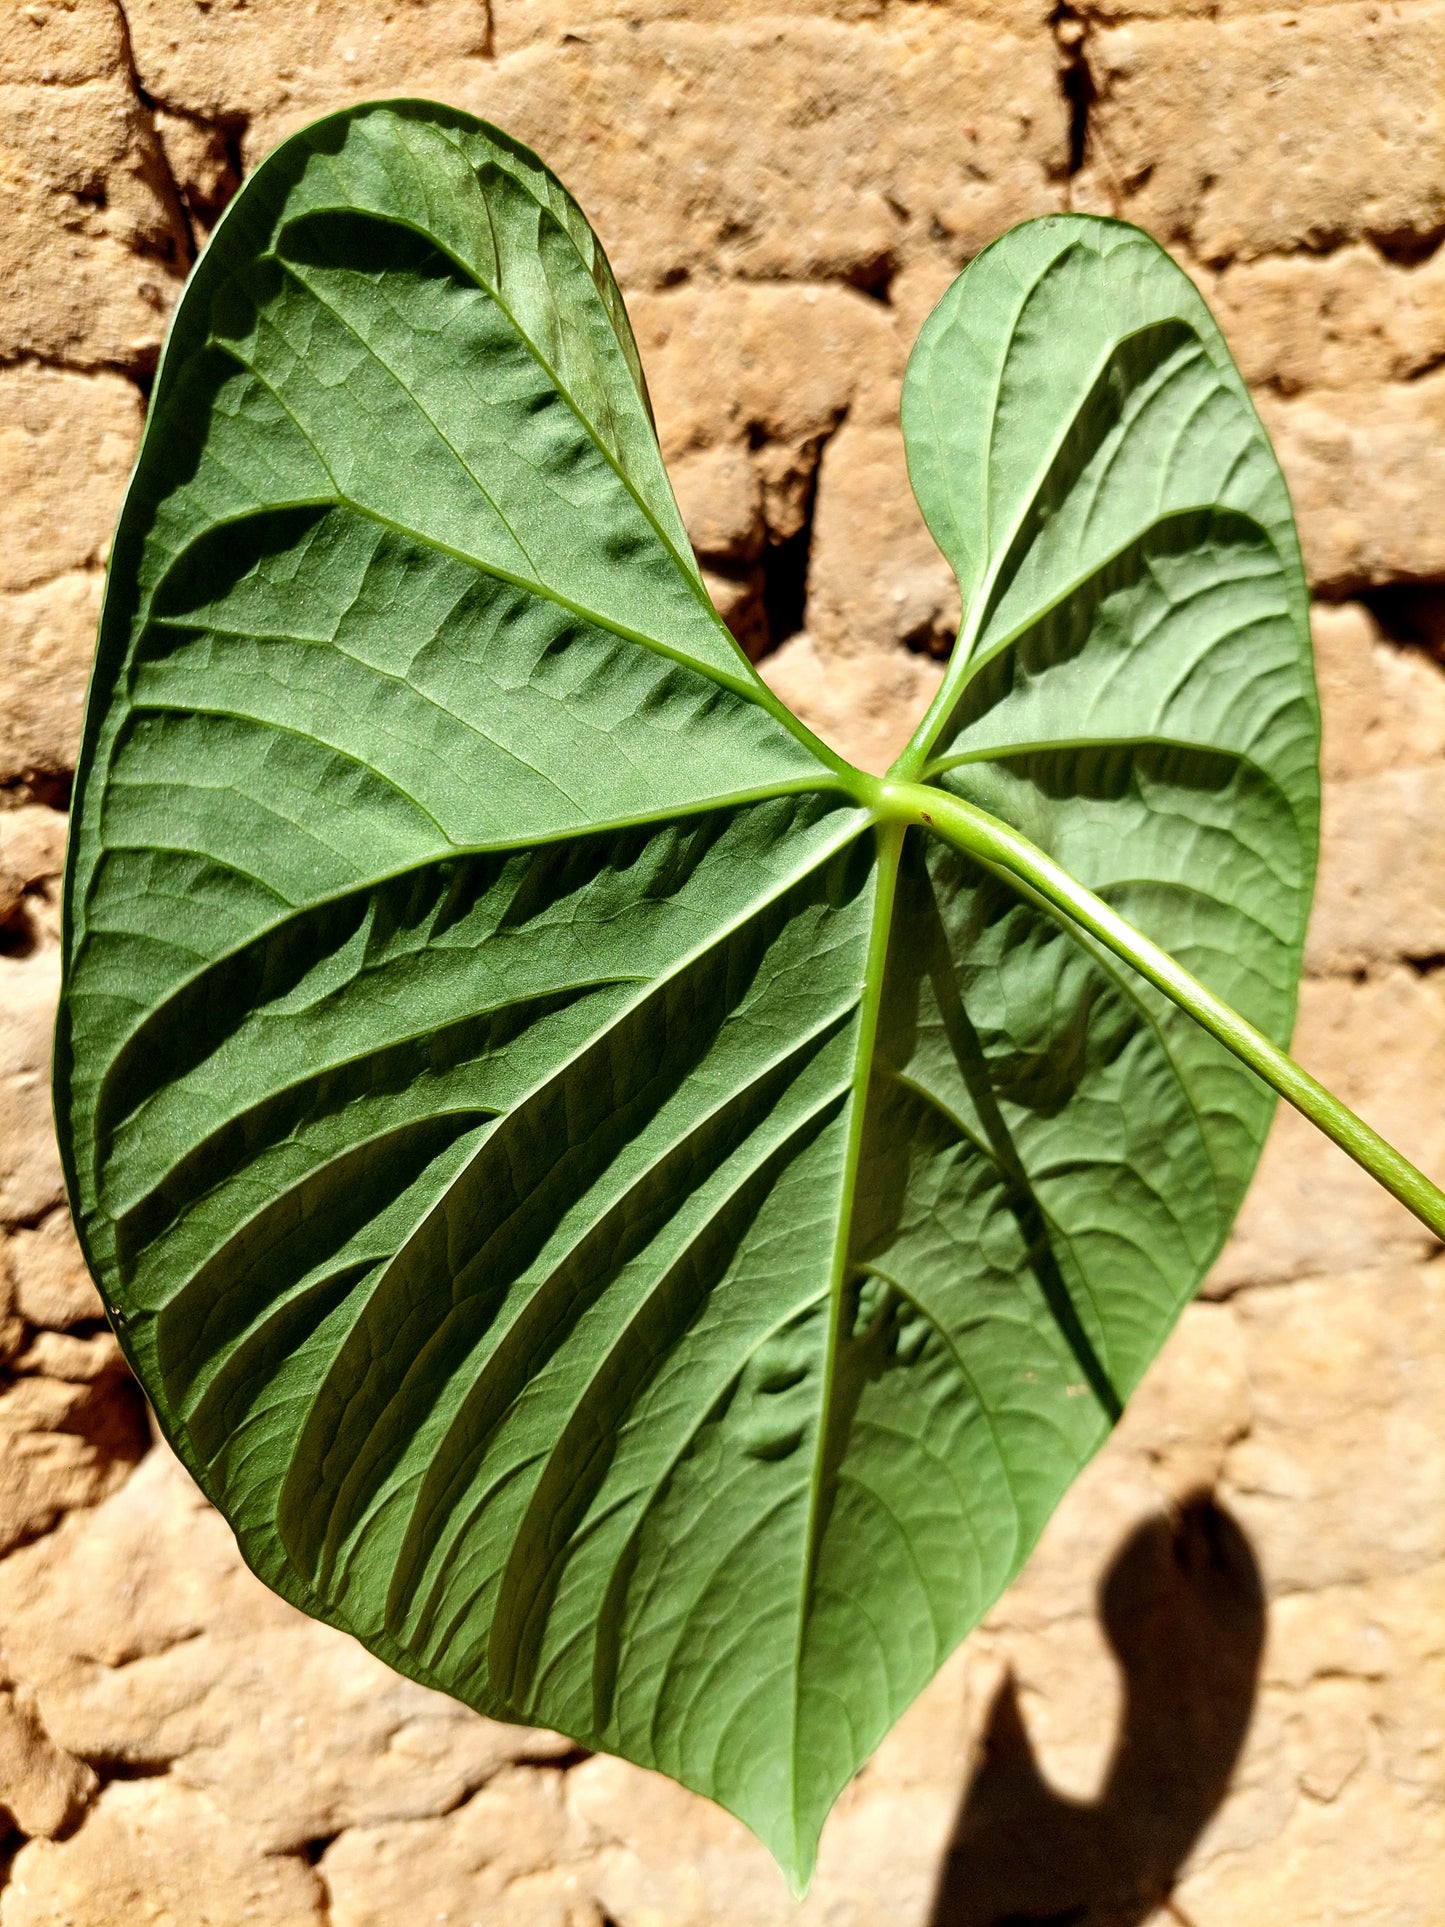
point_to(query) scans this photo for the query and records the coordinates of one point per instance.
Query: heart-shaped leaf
(615, 1220)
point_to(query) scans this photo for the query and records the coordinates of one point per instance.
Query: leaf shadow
(980, 1077)
(1182, 1607)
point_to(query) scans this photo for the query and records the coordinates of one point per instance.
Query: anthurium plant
(634, 1218)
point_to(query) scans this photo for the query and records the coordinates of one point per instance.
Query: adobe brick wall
(785, 189)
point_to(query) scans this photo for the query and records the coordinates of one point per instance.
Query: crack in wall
(204, 188)
(194, 207)
(787, 564)
(1077, 84)
(166, 182)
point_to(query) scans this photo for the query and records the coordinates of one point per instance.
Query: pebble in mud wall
(1205, 1710)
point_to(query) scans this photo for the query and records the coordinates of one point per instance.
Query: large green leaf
(633, 1234)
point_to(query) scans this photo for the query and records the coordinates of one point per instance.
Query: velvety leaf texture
(638, 1239)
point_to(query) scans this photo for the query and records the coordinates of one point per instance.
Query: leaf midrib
(889, 850)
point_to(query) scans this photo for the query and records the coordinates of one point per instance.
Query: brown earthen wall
(1208, 1711)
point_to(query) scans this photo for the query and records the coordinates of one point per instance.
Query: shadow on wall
(1183, 1608)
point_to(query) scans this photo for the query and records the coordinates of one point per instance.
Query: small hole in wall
(1411, 613)
(88, 1327)
(49, 787)
(874, 277)
(18, 936)
(934, 635)
(109, 1769)
(1406, 248)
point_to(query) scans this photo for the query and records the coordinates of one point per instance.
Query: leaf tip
(797, 1858)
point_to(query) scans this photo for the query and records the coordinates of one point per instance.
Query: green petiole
(1002, 850)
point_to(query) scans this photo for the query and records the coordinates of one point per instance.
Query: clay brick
(53, 1289)
(1382, 706)
(1347, 319)
(721, 499)
(1382, 872)
(265, 68)
(32, 850)
(47, 642)
(149, 1851)
(856, 147)
(63, 1445)
(759, 361)
(519, 23)
(67, 442)
(1273, 131)
(90, 208)
(864, 705)
(43, 1788)
(876, 578)
(503, 1855)
(1353, 1356)
(30, 1181)
(1366, 468)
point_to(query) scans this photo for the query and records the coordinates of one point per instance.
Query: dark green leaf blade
(633, 1237)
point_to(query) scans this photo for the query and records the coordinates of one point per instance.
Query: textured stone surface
(510, 1855)
(1261, 134)
(67, 441)
(151, 1852)
(32, 849)
(30, 1181)
(1356, 535)
(1296, 160)
(47, 637)
(1338, 320)
(864, 705)
(876, 580)
(253, 71)
(89, 205)
(1383, 707)
(1240, 1700)
(63, 1443)
(52, 1288)
(1356, 1358)
(66, 444)
(768, 364)
(865, 140)
(42, 1787)
(330, 1737)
